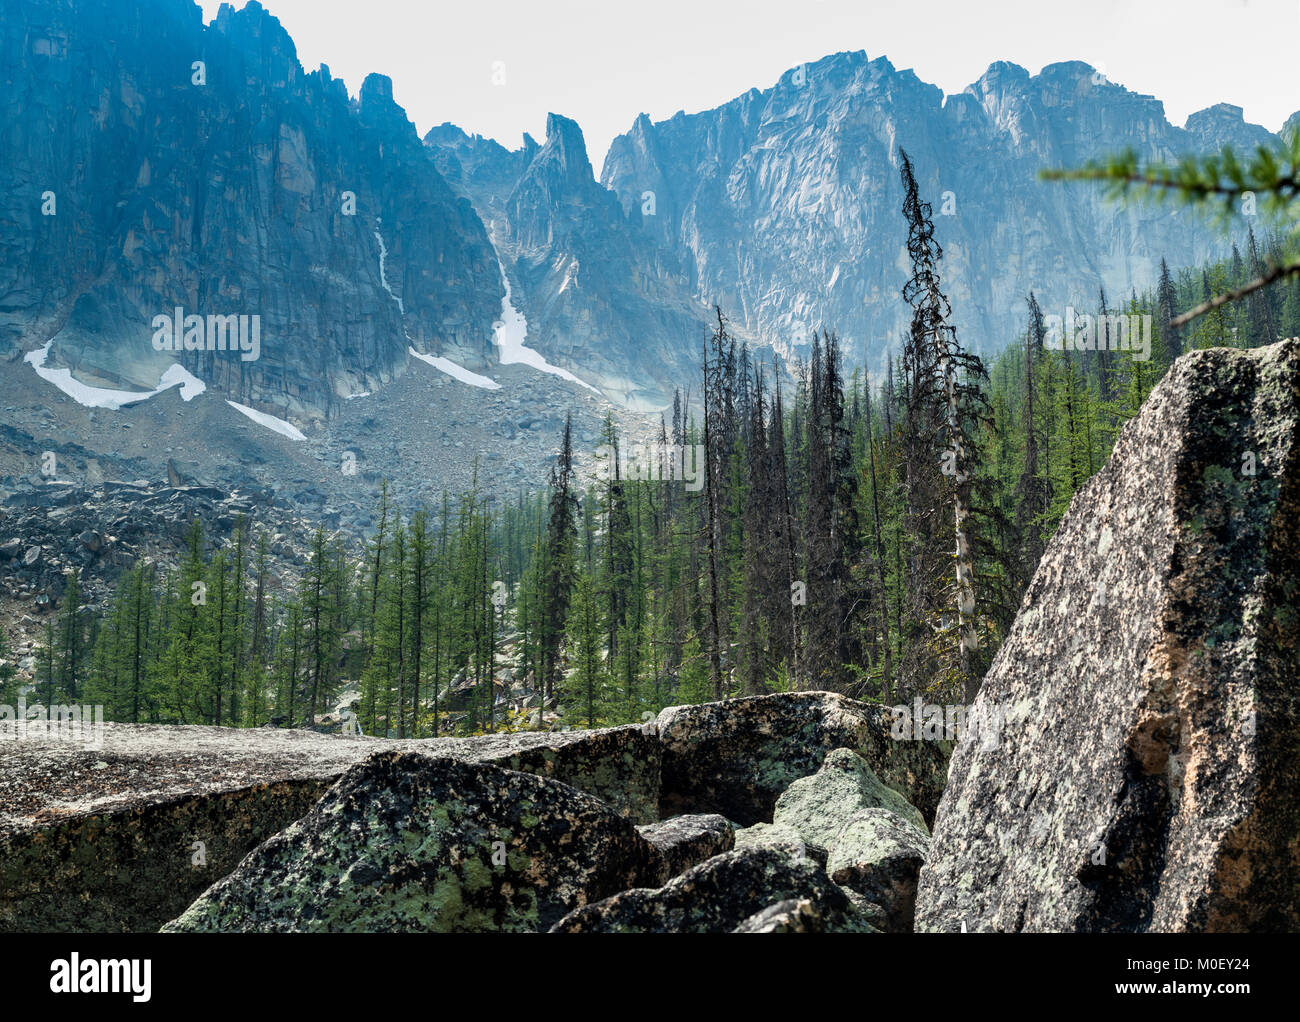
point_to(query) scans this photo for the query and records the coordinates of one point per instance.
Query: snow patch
(269, 421)
(383, 259)
(449, 367)
(510, 332)
(176, 375)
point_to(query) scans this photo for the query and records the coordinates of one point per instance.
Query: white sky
(603, 63)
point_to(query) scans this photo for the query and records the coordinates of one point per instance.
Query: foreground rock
(818, 807)
(718, 896)
(878, 855)
(1149, 759)
(736, 758)
(686, 841)
(123, 836)
(791, 916)
(619, 765)
(409, 843)
(780, 836)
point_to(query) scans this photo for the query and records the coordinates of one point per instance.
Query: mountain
(784, 205)
(598, 298)
(198, 167)
(163, 168)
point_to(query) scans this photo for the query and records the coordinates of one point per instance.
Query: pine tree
(558, 563)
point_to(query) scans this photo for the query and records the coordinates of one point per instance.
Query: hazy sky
(603, 63)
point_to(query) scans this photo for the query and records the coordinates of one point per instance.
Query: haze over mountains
(265, 190)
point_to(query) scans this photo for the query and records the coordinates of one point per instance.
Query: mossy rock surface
(879, 855)
(818, 807)
(410, 843)
(737, 757)
(719, 895)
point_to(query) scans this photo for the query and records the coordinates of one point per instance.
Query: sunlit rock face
(1145, 774)
(784, 204)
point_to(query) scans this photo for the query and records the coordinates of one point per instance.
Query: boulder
(716, 897)
(617, 764)
(406, 842)
(780, 836)
(686, 841)
(878, 854)
(122, 833)
(737, 757)
(131, 822)
(790, 916)
(817, 807)
(1149, 759)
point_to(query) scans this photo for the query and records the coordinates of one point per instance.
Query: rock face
(409, 843)
(596, 298)
(784, 202)
(780, 836)
(737, 758)
(878, 854)
(686, 841)
(129, 833)
(244, 186)
(1149, 759)
(716, 897)
(819, 806)
(114, 828)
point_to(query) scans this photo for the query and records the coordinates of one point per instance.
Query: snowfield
(269, 421)
(176, 375)
(449, 367)
(509, 334)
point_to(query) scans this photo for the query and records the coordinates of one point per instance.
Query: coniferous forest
(795, 526)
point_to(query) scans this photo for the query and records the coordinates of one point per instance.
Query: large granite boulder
(123, 833)
(1149, 760)
(619, 765)
(717, 896)
(737, 757)
(686, 841)
(409, 843)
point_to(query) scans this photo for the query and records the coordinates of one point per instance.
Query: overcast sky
(603, 63)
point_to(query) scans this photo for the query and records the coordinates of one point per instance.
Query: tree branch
(1272, 276)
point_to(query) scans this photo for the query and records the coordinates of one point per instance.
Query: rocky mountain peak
(565, 150)
(266, 50)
